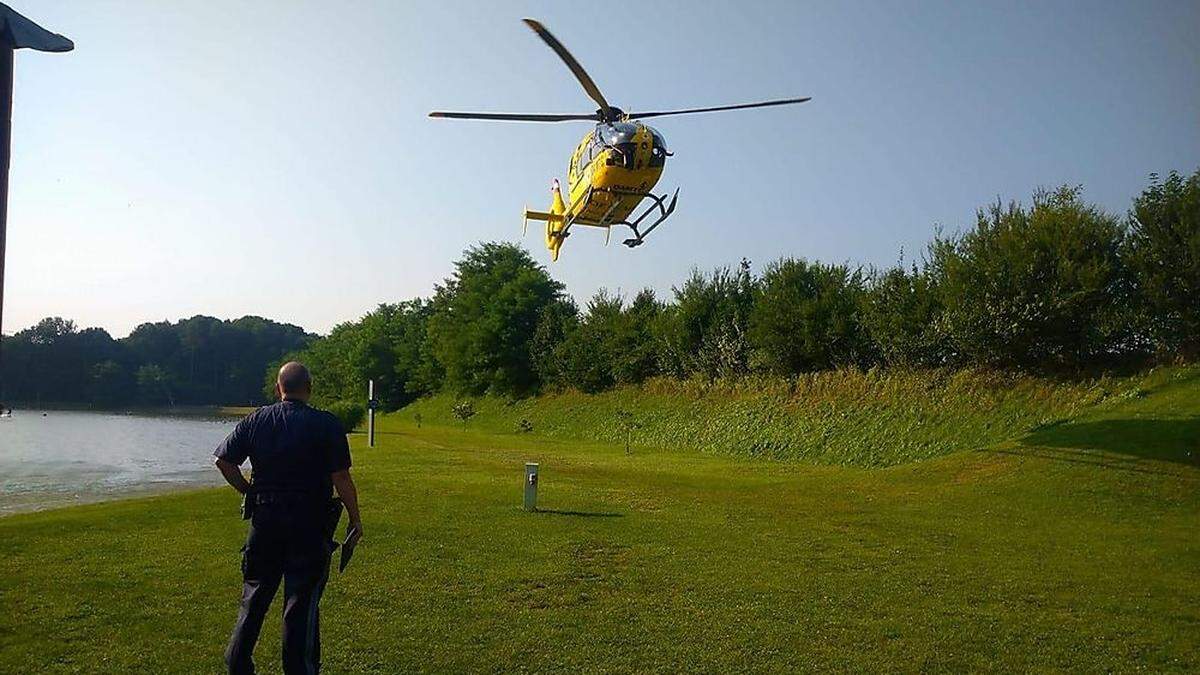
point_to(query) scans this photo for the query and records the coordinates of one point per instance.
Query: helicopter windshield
(618, 133)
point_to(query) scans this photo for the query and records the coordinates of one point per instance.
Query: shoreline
(38, 502)
(18, 407)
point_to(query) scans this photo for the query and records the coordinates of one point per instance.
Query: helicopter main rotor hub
(610, 114)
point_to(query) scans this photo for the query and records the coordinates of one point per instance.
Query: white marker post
(371, 404)
(531, 481)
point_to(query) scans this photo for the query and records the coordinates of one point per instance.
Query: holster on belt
(248, 503)
(333, 514)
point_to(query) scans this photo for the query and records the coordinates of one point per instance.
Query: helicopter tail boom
(555, 220)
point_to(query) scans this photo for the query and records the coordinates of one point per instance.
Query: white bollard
(371, 404)
(531, 481)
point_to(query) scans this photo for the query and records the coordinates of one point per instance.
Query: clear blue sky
(274, 158)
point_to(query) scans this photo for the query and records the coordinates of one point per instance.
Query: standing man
(298, 455)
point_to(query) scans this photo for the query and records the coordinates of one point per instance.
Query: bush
(350, 414)
(548, 348)
(1031, 288)
(593, 347)
(900, 312)
(805, 318)
(1162, 250)
(634, 347)
(463, 411)
(704, 331)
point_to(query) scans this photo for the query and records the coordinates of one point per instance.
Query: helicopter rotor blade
(740, 106)
(580, 74)
(514, 117)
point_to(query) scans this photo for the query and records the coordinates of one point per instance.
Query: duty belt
(291, 498)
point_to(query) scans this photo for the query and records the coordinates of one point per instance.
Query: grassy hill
(1072, 546)
(850, 418)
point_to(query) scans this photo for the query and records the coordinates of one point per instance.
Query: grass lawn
(1075, 546)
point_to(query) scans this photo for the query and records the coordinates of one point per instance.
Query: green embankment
(1072, 547)
(849, 418)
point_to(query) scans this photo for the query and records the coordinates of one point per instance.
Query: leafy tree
(205, 360)
(549, 348)
(805, 318)
(154, 385)
(484, 320)
(1162, 249)
(51, 361)
(384, 345)
(635, 344)
(211, 360)
(705, 331)
(1031, 287)
(51, 330)
(111, 384)
(900, 311)
(611, 344)
(591, 349)
(388, 345)
(244, 346)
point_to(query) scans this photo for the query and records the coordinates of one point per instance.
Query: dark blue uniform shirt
(292, 448)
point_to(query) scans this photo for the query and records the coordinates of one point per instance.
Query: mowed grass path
(1076, 547)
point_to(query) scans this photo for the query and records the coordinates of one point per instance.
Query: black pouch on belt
(248, 502)
(333, 514)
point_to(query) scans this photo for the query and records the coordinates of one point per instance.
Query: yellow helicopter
(614, 167)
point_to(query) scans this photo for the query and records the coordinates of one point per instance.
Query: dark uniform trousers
(287, 542)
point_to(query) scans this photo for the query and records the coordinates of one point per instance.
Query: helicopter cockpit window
(629, 153)
(595, 149)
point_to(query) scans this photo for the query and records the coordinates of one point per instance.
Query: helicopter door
(583, 157)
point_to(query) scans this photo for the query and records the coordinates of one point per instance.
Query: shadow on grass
(1117, 444)
(1089, 457)
(581, 514)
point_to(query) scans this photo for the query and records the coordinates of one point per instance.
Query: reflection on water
(54, 458)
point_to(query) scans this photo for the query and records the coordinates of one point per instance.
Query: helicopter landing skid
(664, 212)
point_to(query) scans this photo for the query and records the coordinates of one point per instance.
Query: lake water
(55, 458)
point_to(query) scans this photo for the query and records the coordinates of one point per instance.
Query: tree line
(1056, 285)
(196, 361)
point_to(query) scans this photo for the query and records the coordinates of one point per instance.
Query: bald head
(294, 381)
